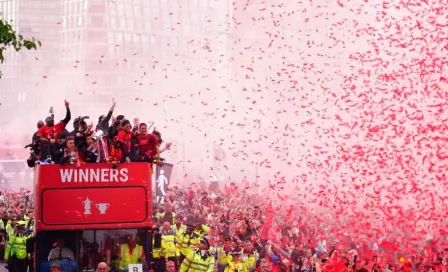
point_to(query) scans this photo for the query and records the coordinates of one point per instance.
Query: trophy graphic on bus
(87, 206)
(102, 207)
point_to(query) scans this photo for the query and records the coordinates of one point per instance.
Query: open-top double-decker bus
(91, 210)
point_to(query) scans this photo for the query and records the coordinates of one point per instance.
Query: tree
(9, 38)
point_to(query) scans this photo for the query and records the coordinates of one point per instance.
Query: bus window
(116, 247)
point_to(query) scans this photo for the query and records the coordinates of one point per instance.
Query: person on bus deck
(71, 154)
(158, 135)
(60, 252)
(90, 152)
(131, 253)
(126, 134)
(84, 131)
(50, 131)
(16, 254)
(146, 145)
(103, 121)
(118, 153)
(57, 149)
(116, 127)
(40, 124)
(102, 267)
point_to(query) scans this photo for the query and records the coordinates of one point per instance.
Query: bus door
(91, 214)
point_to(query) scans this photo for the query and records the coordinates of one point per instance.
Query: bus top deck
(94, 207)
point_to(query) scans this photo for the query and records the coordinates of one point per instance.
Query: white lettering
(66, 175)
(94, 175)
(105, 175)
(114, 175)
(124, 174)
(83, 175)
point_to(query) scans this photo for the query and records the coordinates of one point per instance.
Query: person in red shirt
(146, 144)
(51, 131)
(160, 141)
(118, 153)
(126, 134)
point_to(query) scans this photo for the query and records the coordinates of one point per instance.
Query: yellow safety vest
(169, 243)
(9, 229)
(223, 257)
(179, 231)
(250, 261)
(196, 263)
(203, 232)
(16, 247)
(187, 245)
(236, 267)
(127, 258)
(161, 215)
(158, 252)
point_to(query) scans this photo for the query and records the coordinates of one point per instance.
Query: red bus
(91, 210)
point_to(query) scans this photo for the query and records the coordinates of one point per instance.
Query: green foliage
(10, 39)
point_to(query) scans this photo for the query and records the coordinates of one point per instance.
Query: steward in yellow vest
(131, 253)
(169, 243)
(223, 254)
(16, 250)
(250, 257)
(200, 260)
(158, 252)
(236, 265)
(201, 230)
(187, 243)
(178, 228)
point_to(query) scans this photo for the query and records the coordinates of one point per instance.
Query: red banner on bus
(94, 205)
(93, 196)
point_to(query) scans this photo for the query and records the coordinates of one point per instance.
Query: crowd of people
(245, 232)
(112, 140)
(208, 229)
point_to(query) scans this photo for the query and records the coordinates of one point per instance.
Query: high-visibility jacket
(250, 260)
(187, 244)
(127, 258)
(223, 256)
(9, 228)
(196, 263)
(179, 231)
(239, 266)
(203, 232)
(2, 224)
(169, 243)
(158, 252)
(17, 246)
(161, 215)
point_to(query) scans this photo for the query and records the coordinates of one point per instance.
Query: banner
(163, 174)
(95, 195)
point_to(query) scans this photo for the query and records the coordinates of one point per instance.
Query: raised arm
(68, 116)
(109, 114)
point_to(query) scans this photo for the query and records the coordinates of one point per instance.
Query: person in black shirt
(39, 125)
(115, 128)
(103, 121)
(90, 151)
